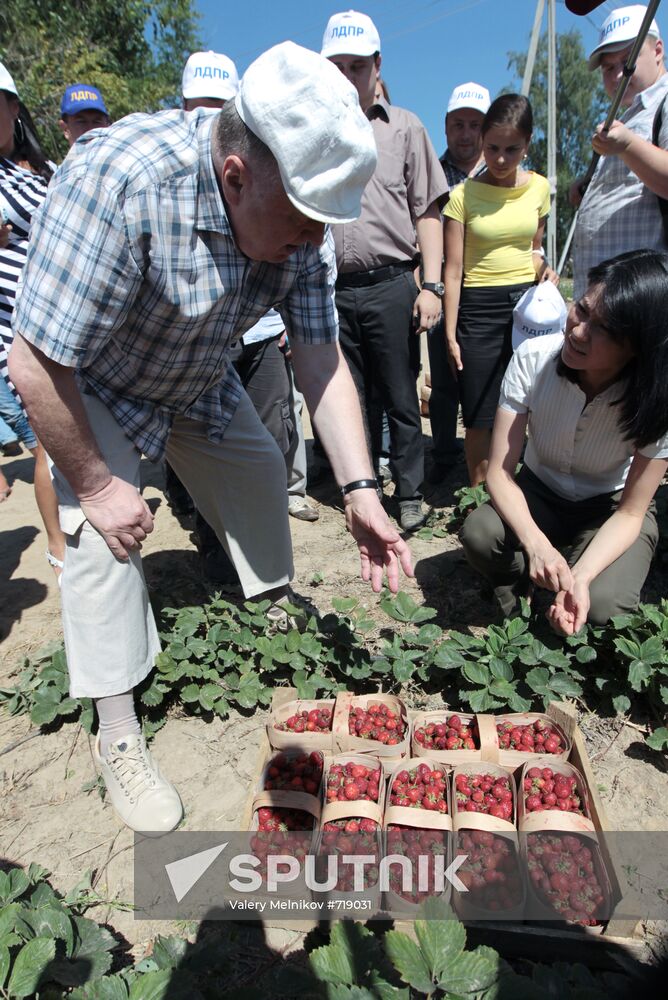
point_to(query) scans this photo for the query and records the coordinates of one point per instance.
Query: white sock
(117, 719)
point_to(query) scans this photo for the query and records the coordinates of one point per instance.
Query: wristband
(359, 484)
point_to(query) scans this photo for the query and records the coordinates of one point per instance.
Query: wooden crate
(618, 942)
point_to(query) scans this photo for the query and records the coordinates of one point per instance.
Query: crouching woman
(578, 518)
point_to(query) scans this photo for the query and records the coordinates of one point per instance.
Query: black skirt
(484, 335)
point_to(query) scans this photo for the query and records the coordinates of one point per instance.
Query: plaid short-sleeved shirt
(618, 212)
(134, 279)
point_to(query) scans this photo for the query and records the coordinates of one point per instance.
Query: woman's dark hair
(26, 144)
(509, 111)
(634, 308)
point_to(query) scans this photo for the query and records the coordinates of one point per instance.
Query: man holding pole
(621, 209)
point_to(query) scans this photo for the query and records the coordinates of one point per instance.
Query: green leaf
(168, 952)
(190, 693)
(476, 673)
(428, 635)
(471, 972)
(517, 703)
(652, 650)
(585, 654)
(480, 700)
(152, 986)
(4, 964)
(441, 942)
(153, 695)
(501, 688)
(639, 674)
(565, 686)
(14, 884)
(43, 712)
(48, 921)
(538, 679)
(447, 656)
(344, 604)
(659, 739)
(627, 648)
(515, 627)
(30, 965)
(408, 960)
(209, 695)
(68, 706)
(621, 704)
(109, 988)
(403, 608)
(500, 668)
(403, 670)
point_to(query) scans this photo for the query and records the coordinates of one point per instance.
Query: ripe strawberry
(539, 736)
(295, 771)
(317, 720)
(544, 793)
(484, 793)
(453, 733)
(559, 873)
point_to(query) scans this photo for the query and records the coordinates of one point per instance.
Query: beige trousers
(111, 639)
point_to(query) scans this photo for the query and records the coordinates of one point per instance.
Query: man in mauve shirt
(381, 311)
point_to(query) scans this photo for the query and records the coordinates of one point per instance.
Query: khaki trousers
(493, 549)
(111, 639)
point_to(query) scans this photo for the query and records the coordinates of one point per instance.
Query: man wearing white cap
(621, 208)
(134, 288)
(381, 313)
(462, 158)
(209, 79)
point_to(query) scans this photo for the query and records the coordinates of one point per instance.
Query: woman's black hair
(26, 144)
(509, 111)
(634, 308)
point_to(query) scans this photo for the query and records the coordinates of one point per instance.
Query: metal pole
(533, 47)
(628, 71)
(552, 130)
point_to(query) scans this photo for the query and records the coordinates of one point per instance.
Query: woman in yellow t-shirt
(494, 226)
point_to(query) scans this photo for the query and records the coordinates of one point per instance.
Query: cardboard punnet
(555, 819)
(284, 738)
(487, 750)
(513, 758)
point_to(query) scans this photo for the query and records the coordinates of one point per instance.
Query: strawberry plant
(484, 793)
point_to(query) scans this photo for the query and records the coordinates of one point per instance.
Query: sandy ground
(47, 817)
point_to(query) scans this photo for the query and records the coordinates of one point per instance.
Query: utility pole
(552, 130)
(533, 46)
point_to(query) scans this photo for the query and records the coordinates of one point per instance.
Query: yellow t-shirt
(499, 226)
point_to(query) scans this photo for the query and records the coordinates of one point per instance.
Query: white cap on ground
(303, 108)
(469, 95)
(540, 311)
(210, 74)
(619, 30)
(6, 82)
(350, 33)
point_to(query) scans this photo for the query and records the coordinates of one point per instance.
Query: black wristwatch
(437, 287)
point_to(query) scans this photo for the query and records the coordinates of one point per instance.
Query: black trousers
(378, 340)
(264, 375)
(444, 399)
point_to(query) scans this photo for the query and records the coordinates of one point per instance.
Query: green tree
(581, 105)
(133, 50)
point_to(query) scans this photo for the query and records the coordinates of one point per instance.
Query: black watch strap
(434, 286)
(359, 484)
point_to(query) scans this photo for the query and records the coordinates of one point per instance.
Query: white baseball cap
(210, 74)
(469, 95)
(308, 114)
(619, 30)
(6, 82)
(350, 34)
(540, 311)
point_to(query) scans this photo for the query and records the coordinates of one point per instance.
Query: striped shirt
(134, 279)
(574, 447)
(21, 192)
(618, 212)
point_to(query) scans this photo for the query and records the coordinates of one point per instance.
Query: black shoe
(181, 503)
(12, 448)
(412, 514)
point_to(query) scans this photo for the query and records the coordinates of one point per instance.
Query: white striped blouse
(21, 193)
(574, 447)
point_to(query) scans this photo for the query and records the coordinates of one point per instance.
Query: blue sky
(428, 46)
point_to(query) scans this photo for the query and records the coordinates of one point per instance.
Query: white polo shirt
(576, 448)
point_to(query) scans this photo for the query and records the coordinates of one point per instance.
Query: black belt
(362, 279)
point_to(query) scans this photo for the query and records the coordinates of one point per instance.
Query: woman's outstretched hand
(570, 609)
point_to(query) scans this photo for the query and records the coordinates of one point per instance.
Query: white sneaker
(144, 799)
(299, 507)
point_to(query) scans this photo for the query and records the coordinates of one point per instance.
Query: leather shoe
(412, 514)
